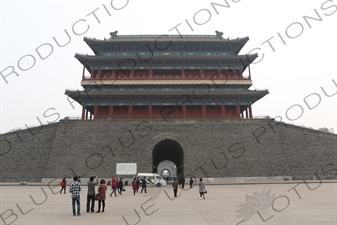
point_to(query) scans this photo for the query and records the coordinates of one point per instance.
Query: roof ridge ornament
(218, 34)
(113, 34)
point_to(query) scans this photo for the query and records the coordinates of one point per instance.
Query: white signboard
(126, 168)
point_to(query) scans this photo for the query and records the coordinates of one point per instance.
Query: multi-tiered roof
(162, 70)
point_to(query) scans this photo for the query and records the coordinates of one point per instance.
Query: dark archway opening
(168, 150)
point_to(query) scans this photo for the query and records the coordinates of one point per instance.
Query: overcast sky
(298, 61)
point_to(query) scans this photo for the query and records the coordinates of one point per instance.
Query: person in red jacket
(134, 186)
(63, 185)
(114, 186)
(101, 195)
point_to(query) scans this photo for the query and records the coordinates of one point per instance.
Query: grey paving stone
(155, 208)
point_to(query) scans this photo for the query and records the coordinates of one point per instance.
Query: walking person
(75, 189)
(114, 185)
(120, 186)
(138, 183)
(143, 185)
(134, 186)
(63, 185)
(91, 193)
(101, 195)
(175, 187)
(182, 182)
(191, 182)
(202, 189)
(111, 184)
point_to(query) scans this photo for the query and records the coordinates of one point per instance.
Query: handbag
(96, 197)
(205, 192)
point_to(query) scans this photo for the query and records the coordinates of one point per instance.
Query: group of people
(76, 188)
(202, 188)
(116, 185)
(100, 196)
(136, 183)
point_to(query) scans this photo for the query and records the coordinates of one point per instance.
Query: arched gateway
(191, 104)
(168, 158)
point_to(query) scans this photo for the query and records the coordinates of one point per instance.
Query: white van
(152, 179)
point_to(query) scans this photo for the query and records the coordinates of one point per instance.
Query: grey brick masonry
(212, 148)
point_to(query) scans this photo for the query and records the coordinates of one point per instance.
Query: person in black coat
(182, 182)
(143, 185)
(175, 187)
(138, 183)
(191, 182)
(120, 186)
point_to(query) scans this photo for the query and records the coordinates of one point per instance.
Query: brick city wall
(212, 148)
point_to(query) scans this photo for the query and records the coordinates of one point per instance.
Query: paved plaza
(291, 203)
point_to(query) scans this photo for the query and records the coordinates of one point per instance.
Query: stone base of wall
(226, 150)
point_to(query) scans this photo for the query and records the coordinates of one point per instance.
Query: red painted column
(130, 111)
(203, 111)
(99, 74)
(83, 112)
(95, 112)
(149, 111)
(223, 111)
(92, 73)
(250, 112)
(184, 111)
(238, 111)
(111, 111)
